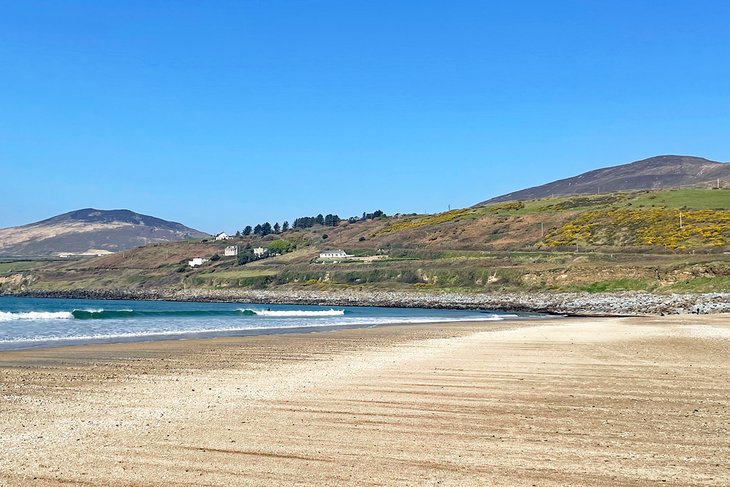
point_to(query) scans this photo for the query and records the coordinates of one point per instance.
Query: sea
(41, 322)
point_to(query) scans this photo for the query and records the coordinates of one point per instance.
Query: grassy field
(697, 199)
(245, 272)
(18, 266)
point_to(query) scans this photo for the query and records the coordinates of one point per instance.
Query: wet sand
(632, 401)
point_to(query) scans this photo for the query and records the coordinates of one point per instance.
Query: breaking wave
(35, 315)
(103, 314)
(296, 313)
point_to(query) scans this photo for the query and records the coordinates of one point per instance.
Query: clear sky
(221, 114)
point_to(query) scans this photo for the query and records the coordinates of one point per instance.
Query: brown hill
(90, 231)
(661, 172)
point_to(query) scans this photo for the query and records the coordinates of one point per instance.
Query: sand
(632, 401)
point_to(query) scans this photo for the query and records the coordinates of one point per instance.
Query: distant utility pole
(680, 220)
(542, 229)
(718, 183)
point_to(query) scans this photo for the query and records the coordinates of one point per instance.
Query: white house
(333, 254)
(231, 250)
(259, 252)
(222, 236)
(197, 261)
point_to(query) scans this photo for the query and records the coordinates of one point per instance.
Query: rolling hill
(633, 238)
(607, 242)
(90, 232)
(660, 172)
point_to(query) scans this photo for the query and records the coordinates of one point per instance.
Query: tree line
(329, 220)
(263, 229)
(309, 221)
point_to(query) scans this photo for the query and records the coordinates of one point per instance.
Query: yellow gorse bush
(647, 226)
(419, 222)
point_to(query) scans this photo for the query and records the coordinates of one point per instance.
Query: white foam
(298, 313)
(36, 315)
(159, 333)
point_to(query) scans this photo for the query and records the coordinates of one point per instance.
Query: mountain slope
(90, 231)
(661, 172)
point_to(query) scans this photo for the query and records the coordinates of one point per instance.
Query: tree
(309, 221)
(277, 228)
(265, 229)
(247, 230)
(373, 215)
(257, 229)
(238, 234)
(285, 227)
(331, 220)
(280, 246)
(246, 255)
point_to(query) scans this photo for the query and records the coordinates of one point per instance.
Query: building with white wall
(197, 261)
(333, 254)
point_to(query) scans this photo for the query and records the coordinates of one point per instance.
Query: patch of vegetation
(658, 227)
(697, 199)
(702, 284)
(613, 285)
(280, 246)
(17, 266)
(558, 204)
(236, 274)
(423, 221)
(135, 279)
(589, 201)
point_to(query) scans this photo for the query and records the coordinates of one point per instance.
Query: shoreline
(623, 304)
(205, 336)
(127, 349)
(581, 401)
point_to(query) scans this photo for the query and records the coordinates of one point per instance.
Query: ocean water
(36, 322)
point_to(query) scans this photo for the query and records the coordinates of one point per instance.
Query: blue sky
(222, 114)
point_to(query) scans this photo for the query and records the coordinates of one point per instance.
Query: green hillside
(602, 242)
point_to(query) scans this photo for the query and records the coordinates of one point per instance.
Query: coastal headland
(577, 401)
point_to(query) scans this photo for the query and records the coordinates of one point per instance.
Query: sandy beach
(581, 401)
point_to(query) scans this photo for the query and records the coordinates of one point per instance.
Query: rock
(579, 304)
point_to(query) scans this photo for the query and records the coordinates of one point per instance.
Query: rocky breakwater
(581, 304)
